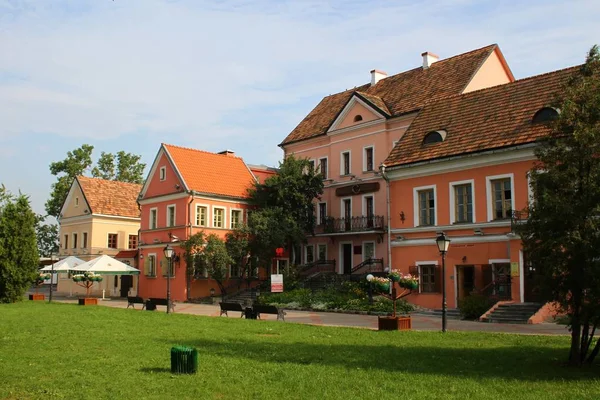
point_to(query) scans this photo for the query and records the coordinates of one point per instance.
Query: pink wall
(156, 187)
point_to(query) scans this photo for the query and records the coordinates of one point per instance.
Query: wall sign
(357, 188)
(276, 283)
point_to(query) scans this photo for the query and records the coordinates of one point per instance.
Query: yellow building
(100, 217)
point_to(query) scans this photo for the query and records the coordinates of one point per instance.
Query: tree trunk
(575, 352)
(594, 353)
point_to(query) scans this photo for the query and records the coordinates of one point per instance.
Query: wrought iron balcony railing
(516, 218)
(352, 224)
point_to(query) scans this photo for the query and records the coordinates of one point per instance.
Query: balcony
(352, 224)
(517, 218)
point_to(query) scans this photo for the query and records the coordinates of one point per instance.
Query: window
(218, 218)
(153, 218)
(309, 255)
(345, 167)
(428, 277)
(150, 265)
(171, 215)
(84, 240)
(368, 163)
(545, 114)
(74, 240)
(167, 267)
(236, 218)
(311, 163)
(347, 210)
(66, 242)
(426, 207)
(112, 240)
(322, 213)
(369, 210)
(76, 201)
(463, 203)
(501, 198)
(358, 118)
(368, 250)
(323, 167)
(234, 271)
(434, 137)
(163, 173)
(133, 242)
(322, 250)
(201, 215)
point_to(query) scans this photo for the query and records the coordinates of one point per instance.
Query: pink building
(348, 135)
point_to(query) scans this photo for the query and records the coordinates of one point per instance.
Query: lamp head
(168, 252)
(443, 242)
(370, 277)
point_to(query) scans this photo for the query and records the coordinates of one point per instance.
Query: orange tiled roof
(482, 120)
(111, 197)
(397, 94)
(211, 173)
(126, 254)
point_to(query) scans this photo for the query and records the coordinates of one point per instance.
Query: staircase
(513, 313)
(451, 313)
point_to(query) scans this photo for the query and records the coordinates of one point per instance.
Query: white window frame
(341, 255)
(155, 209)
(76, 201)
(453, 199)
(65, 241)
(74, 242)
(306, 253)
(171, 223)
(374, 249)
(224, 217)
(207, 216)
(419, 264)
(241, 221)
(416, 209)
(372, 146)
(364, 203)
(112, 233)
(319, 245)
(163, 173)
(328, 166)
(155, 265)
(319, 216)
(488, 193)
(342, 214)
(342, 162)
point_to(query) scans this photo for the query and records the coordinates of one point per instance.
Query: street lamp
(443, 243)
(168, 251)
(370, 278)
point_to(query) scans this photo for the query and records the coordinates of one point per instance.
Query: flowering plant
(87, 277)
(381, 284)
(41, 278)
(395, 275)
(409, 281)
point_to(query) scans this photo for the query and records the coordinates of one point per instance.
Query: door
(530, 290)
(465, 280)
(347, 258)
(369, 210)
(502, 280)
(126, 284)
(347, 215)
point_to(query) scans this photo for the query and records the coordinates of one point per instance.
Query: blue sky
(130, 74)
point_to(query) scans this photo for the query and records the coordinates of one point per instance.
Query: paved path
(419, 322)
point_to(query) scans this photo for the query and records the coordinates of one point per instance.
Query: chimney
(229, 153)
(428, 59)
(376, 76)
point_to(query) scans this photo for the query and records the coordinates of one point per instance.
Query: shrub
(474, 306)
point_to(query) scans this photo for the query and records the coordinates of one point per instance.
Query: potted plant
(395, 276)
(409, 282)
(383, 285)
(86, 280)
(39, 279)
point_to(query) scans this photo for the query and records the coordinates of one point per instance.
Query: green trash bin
(184, 360)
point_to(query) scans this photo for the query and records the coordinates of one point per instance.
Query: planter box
(88, 301)
(37, 297)
(395, 324)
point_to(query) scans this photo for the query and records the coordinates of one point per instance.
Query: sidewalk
(419, 322)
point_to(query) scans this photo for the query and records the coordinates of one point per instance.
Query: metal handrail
(369, 262)
(352, 224)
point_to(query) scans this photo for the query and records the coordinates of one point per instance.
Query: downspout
(187, 276)
(389, 217)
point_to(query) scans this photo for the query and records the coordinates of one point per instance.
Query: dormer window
(76, 201)
(358, 118)
(435, 137)
(163, 173)
(545, 114)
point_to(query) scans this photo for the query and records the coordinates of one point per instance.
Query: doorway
(126, 284)
(531, 293)
(347, 258)
(465, 281)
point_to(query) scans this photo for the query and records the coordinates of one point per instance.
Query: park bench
(231, 307)
(133, 300)
(162, 302)
(268, 309)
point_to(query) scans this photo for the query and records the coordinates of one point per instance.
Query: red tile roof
(111, 197)
(211, 173)
(482, 120)
(126, 254)
(397, 94)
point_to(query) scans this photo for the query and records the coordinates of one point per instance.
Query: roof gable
(75, 203)
(355, 107)
(110, 197)
(155, 185)
(487, 119)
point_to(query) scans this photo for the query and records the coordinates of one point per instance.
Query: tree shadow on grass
(522, 363)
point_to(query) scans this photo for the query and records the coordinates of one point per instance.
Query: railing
(517, 218)
(500, 288)
(369, 265)
(352, 224)
(317, 266)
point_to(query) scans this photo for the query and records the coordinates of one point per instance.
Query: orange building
(188, 191)
(462, 168)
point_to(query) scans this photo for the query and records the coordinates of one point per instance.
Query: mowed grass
(74, 352)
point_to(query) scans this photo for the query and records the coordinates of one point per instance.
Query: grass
(72, 352)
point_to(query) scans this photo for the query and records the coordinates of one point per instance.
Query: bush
(474, 306)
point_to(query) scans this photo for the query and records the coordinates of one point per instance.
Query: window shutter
(438, 279)
(486, 270)
(413, 270)
(163, 267)
(147, 266)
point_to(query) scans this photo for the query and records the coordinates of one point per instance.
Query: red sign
(279, 251)
(276, 283)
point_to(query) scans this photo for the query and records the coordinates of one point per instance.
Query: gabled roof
(211, 173)
(398, 94)
(482, 120)
(110, 197)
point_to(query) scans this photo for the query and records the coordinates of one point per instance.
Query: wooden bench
(162, 302)
(231, 307)
(133, 300)
(267, 309)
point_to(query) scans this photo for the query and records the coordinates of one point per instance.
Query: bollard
(184, 360)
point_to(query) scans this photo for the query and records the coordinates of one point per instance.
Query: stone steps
(513, 313)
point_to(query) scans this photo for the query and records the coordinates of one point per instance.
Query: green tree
(238, 243)
(216, 260)
(18, 247)
(285, 205)
(47, 236)
(561, 237)
(192, 248)
(124, 167)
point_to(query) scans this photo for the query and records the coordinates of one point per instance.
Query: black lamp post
(443, 243)
(168, 254)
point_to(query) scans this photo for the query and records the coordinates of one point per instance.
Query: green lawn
(74, 352)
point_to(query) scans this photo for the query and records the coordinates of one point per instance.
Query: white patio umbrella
(64, 265)
(106, 265)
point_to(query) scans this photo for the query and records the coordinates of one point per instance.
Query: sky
(231, 74)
